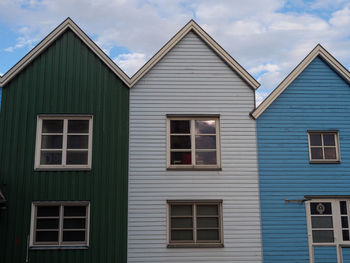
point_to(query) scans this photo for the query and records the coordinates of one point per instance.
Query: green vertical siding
(67, 78)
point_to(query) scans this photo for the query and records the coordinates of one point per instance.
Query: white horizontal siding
(191, 79)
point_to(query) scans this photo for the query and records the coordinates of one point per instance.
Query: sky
(267, 37)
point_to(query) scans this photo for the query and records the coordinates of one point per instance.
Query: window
(60, 224)
(328, 222)
(193, 142)
(324, 147)
(63, 142)
(195, 223)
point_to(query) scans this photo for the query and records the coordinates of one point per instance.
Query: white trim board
(49, 39)
(317, 51)
(193, 26)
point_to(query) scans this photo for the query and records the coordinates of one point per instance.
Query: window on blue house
(323, 147)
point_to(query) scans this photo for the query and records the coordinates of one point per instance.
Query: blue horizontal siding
(325, 255)
(346, 254)
(319, 99)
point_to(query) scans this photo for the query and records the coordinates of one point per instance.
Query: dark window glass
(316, 153)
(315, 139)
(51, 141)
(205, 127)
(181, 223)
(207, 210)
(75, 211)
(45, 211)
(180, 142)
(78, 142)
(207, 222)
(330, 153)
(343, 209)
(178, 158)
(180, 126)
(181, 210)
(52, 126)
(77, 157)
(70, 236)
(321, 208)
(47, 223)
(46, 236)
(346, 235)
(186, 235)
(78, 126)
(321, 222)
(206, 158)
(208, 234)
(344, 222)
(328, 140)
(51, 157)
(205, 142)
(322, 236)
(74, 223)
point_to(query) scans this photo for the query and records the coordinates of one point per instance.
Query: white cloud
(264, 40)
(130, 63)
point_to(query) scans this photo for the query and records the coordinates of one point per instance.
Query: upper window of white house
(63, 142)
(193, 142)
(324, 147)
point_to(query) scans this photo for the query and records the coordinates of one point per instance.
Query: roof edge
(68, 23)
(319, 50)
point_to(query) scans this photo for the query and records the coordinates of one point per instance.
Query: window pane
(207, 210)
(47, 224)
(206, 158)
(48, 211)
(344, 222)
(181, 223)
(343, 209)
(51, 141)
(52, 126)
(78, 142)
(321, 208)
(345, 235)
(46, 236)
(51, 157)
(182, 235)
(75, 223)
(321, 222)
(180, 142)
(69, 236)
(74, 210)
(328, 140)
(208, 235)
(316, 153)
(179, 158)
(207, 222)
(205, 127)
(330, 153)
(181, 210)
(315, 139)
(77, 157)
(322, 236)
(181, 126)
(205, 142)
(78, 126)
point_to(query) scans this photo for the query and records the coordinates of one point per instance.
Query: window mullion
(64, 149)
(323, 155)
(337, 227)
(193, 142)
(60, 226)
(195, 223)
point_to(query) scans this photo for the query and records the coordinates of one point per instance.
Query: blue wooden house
(303, 131)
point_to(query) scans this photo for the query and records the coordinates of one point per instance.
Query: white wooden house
(193, 176)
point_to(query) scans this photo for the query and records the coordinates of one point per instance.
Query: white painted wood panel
(192, 79)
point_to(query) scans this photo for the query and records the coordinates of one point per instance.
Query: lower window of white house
(328, 224)
(60, 224)
(195, 223)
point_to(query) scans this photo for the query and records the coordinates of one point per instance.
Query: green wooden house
(64, 153)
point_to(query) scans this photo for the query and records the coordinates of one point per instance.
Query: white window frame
(63, 166)
(61, 244)
(337, 226)
(193, 143)
(337, 147)
(195, 243)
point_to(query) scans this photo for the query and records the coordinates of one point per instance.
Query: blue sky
(267, 37)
